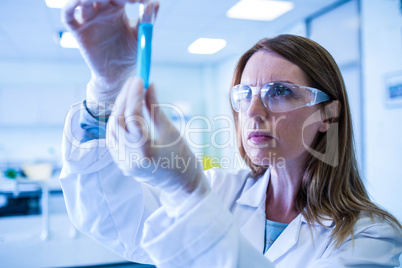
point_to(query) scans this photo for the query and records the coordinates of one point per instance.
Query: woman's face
(275, 138)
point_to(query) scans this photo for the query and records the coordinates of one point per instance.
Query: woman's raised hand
(162, 159)
(107, 41)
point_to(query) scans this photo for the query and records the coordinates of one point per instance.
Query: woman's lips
(258, 137)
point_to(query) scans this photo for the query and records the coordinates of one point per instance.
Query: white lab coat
(226, 229)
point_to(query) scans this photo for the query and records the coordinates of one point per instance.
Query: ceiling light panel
(206, 46)
(261, 10)
(56, 3)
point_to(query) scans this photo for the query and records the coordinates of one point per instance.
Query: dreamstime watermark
(198, 131)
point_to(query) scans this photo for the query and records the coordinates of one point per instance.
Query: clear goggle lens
(276, 96)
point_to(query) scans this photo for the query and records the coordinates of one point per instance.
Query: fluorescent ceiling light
(56, 3)
(206, 46)
(67, 40)
(131, 10)
(263, 10)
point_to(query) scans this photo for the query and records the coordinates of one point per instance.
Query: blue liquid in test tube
(145, 29)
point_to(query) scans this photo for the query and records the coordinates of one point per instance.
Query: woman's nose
(257, 108)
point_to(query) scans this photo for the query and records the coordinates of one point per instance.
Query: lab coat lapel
(250, 211)
(290, 236)
(286, 241)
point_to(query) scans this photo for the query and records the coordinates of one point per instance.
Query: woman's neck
(282, 191)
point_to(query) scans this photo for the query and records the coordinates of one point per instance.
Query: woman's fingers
(167, 134)
(128, 131)
(154, 109)
(134, 91)
(129, 109)
(67, 14)
(102, 4)
(90, 8)
(129, 1)
(156, 8)
(88, 11)
(87, 2)
(150, 12)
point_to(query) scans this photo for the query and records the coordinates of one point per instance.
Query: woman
(288, 100)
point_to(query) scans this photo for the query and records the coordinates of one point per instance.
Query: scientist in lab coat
(307, 207)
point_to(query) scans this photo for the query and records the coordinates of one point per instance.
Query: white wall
(226, 137)
(34, 99)
(222, 139)
(382, 55)
(341, 39)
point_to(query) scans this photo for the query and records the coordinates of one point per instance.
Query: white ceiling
(29, 29)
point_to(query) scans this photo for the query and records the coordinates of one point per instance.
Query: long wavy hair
(331, 188)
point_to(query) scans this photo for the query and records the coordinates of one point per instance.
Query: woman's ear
(329, 115)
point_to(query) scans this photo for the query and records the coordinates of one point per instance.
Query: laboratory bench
(35, 230)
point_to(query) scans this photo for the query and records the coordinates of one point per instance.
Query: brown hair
(327, 190)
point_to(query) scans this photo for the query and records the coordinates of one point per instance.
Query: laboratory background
(195, 48)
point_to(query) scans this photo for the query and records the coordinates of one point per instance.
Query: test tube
(146, 20)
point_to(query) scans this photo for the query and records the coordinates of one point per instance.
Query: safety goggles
(278, 97)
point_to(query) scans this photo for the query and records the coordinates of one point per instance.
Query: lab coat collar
(286, 240)
(250, 212)
(253, 228)
(327, 222)
(256, 194)
(290, 236)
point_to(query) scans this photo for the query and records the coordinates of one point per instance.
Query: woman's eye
(280, 90)
(245, 94)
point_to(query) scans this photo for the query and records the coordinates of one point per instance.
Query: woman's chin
(260, 160)
(266, 159)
